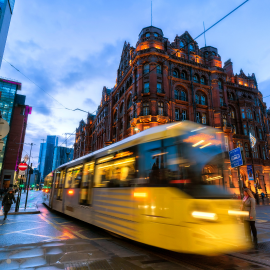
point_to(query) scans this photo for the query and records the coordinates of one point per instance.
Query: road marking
(71, 236)
(22, 230)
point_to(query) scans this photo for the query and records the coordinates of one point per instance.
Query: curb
(23, 213)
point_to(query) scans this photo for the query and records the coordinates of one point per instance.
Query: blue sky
(72, 49)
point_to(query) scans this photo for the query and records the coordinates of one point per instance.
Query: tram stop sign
(22, 166)
(236, 157)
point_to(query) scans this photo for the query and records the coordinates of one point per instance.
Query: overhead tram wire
(77, 109)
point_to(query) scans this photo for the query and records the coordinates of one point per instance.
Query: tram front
(185, 201)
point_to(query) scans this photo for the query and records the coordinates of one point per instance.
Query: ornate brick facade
(160, 82)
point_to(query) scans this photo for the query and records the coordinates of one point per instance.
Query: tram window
(61, 185)
(74, 177)
(57, 178)
(118, 173)
(87, 183)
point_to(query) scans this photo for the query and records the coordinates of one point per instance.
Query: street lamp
(137, 129)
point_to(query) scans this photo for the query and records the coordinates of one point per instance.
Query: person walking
(249, 205)
(262, 195)
(7, 202)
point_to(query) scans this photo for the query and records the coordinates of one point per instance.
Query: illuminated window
(159, 69)
(177, 114)
(146, 68)
(234, 129)
(87, 184)
(146, 88)
(160, 108)
(184, 114)
(203, 118)
(175, 73)
(232, 113)
(224, 119)
(146, 110)
(74, 177)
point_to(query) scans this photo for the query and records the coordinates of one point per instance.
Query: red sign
(22, 166)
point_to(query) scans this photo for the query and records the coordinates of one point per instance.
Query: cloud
(89, 102)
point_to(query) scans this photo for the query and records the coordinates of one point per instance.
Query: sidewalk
(30, 209)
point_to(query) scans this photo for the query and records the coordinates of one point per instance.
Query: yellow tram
(161, 187)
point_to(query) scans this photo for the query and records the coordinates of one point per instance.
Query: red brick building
(14, 148)
(160, 82)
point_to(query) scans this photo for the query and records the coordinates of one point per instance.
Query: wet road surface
(51, 240)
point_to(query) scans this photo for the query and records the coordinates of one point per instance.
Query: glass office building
(61, 156)
(8, 90)
(6, 10)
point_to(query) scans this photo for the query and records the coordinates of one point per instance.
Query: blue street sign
(236, 157)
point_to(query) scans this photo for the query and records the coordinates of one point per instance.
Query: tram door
(87, 184)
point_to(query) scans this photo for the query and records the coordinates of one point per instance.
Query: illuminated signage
(252, 140)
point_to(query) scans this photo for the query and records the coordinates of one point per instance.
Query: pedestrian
(1, 192)
(262, 195)
(7, 202)
(249, 205)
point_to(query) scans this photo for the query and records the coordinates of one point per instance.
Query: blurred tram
(161, 187)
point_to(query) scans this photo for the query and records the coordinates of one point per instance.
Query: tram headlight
(204, 215)
(238, 213)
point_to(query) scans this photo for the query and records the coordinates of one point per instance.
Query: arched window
(176, 94)
(220, 84)
(247, 150)
(195, 78)
(147, 34)
(183, 95)
(175, 73)
(155, 34)
(203, 80)
(249, 114)
(160, 108)
(182, 45)
(146, 68)
(183, 75)
(203, 99)
(129, 103)
(191, 47)
(146, 110)
(159, 69)
(231, 96)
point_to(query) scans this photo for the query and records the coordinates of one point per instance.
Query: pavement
(50, 240)
(32, 205)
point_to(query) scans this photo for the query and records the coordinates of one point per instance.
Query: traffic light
(33, 185)
(22, 186)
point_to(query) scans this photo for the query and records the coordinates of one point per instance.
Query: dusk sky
(71, 49)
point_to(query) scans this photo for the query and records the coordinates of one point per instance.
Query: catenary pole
(28, 175)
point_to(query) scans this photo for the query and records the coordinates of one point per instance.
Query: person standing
(249, 205)
(7, 202)
(262, 195)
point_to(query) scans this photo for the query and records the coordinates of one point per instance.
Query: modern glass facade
(45, 158)
(61, 156)
(8, 91)
(11, 4)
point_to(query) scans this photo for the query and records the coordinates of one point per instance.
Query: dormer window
(155, 34)
(182, 45)
(147, 34)
(191, 48)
